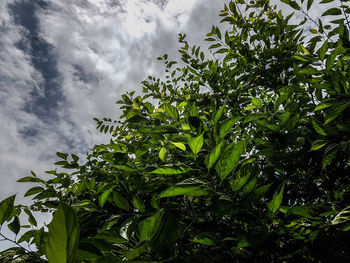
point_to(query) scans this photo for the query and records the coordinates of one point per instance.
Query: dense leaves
(243, 157)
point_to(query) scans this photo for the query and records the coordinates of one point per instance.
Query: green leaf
(134, 253)
(318, 145)
(184, 190)
(111, 236)
(335, 111)
(218, 114)
(229, 158)
(63, 236)
(323, 49)
(180, 145)
(309, 4)
(125, 168)
(86, 255)
(260, 191)
(15, 226)
(342, 217)
(308, 70)
(214, 155)
(329, 155)
(149, 227)
(168, 170)
(301, 58)
(104, 196)
(332, 11)
(31, 218)
(332, 57)
(120, 201)
(63, 156)
(300, 211)
(319, 128)
(31, 179)
(6, 208)
(196, 143)
(227, 125)
(294, 5)
(324, 105)
(256, 102)
(204, 239)
(172, 112)
(250, 186)
(27, 236)
(33, 191)
(276, 201)
(138, 204)
(162, 154)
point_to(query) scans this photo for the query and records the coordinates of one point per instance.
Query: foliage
(240, 158)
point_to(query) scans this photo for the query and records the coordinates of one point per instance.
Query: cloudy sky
(64, 62)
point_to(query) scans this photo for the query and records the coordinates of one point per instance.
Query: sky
(64, 62)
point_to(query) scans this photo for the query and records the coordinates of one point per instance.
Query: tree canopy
(242, 156)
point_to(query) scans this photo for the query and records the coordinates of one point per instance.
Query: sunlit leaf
(168, 170)
(184, 190)
(318, 145)
(276, 201)
(214, 155)
(180, 145)
(196, 143)
(63, 236)
(162, 154)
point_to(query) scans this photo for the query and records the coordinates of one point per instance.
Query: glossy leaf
(229, 158)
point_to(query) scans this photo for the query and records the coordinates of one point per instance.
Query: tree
(240, 158)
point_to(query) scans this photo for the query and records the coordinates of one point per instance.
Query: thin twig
(14, 242)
